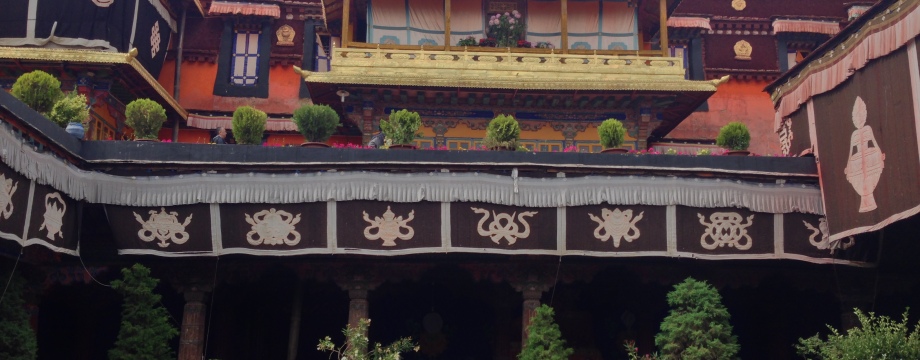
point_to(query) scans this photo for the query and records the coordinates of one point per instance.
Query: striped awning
(238, 8)
(806, 26)
(689, 22)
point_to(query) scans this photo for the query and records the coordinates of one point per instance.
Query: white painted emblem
(503, 226)
(785, 136)
(616, 224)
(163, 226)
(155, 39)
(726, 228)
(389, 227)
(55, 208)
(103, 3)
(273, 227)
(825, 243)
(6, 196)
(866, 161)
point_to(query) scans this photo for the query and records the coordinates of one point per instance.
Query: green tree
(697, 326)
(317, 123)
(877, 337)
(38, 89)
(17, 340)
(146, 117)
(544, 340)
(402, 127)
(71, 108)
(145, 328)
(249, 125)
(356, 341)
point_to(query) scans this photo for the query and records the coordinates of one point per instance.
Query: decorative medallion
(163, 226)
(55, 208)
(6, 196)
(273, 227)
(866, 161)
(826, 243)
(503, 226)
(285, 35)
(389, 227)
(725, 228)
(617, 225)
(743, 50)
(103, 3)
(739, 4)
(155, 39)
(785, 136)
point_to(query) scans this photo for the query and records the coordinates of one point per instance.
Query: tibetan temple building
(263, 250)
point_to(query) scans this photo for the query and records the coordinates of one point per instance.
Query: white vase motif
(54, 215)
(866, 161)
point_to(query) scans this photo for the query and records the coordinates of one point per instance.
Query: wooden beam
(447, 25)
(663, 32)
(565, 27)
(346, 20)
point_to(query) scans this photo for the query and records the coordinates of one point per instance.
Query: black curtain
(13, 17)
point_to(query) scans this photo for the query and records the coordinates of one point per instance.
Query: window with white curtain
(245, 57)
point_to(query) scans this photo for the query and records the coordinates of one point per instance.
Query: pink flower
(506, 14)
(511, 21)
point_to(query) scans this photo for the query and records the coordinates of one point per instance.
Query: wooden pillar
(663, 37)
(357, 286)
(191, 338)
(346, 20)
(447, 25)
(532, 287)
(565, 27)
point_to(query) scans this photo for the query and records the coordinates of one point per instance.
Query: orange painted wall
(735, 100)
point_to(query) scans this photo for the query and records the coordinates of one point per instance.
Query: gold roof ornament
(739, 4)
(743, 50)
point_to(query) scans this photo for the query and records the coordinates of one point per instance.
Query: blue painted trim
(576, 34)
(408, 24)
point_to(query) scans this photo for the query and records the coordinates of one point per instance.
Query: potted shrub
(502, 133)
(317, 123)
(248, 125)
(146, 117)
(734, 137)
(38, 89)
(698, 326)
(612, 132)
(402, 128)
(71, 113)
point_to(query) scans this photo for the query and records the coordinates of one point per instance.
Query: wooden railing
(649, 53)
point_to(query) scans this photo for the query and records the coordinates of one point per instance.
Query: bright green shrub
(38, 89)
(71, 108)
(734, 136)
(402, 127)
(503, 131)
(544, 340)
(877, 337)
(697, 327)
(611, 133)
(249, 125)
(146, 117)
(317, 123)
(145, 328)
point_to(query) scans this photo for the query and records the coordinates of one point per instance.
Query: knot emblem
(389, 227)
(825, 243)
(55, 207)
(273, 227)
(617, 225)
(155, 39)
(503, 225)
(6, 196)
(726, 228)
(163, 226)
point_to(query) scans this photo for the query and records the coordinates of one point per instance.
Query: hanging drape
(544, 24)
(421, 22)
(466, 19)
(602, 25)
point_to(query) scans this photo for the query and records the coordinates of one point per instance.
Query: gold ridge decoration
(505, 70)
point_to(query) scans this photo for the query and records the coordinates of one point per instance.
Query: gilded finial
(304, 74)
(720, 81)
(131, 55)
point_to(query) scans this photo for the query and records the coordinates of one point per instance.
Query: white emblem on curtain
(6, 196)
(826, 243)
(55, 208)
(617, 225)
(866, 161)
(503, 226)
(785, 136)
(103, 3)
(725, 229)
(163, 226)
(155, 39)
(274, 227)
(389, 227)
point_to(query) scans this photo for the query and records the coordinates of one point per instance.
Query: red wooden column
(191, 338)
(532, 289)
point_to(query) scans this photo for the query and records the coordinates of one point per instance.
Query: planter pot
(615, 151)
(738, 153)
(76, 129)
(502, 148)
(314, 145)
(402, 147)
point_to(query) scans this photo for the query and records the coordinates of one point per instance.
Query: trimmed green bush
(356, 343)
(503, 131)
(697, 327)
(317, 123)
(877, 337)
(734, 136)
(612, 133)
(544, 340)
(17, 340)
(71, 108)
(248, 125)
(402, 128)
(146, 117)
(145, 328)
(38, 89)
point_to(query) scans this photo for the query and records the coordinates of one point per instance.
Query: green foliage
(697, 326)
(877, 337)
(632, 352)
(71, 108)
(734, 136)
(17, 340)
(611, 132)
(503, 131)
(702, 152)
(544, 340)
(146, 117)
(355, 347)
(317, 123)
(249, 125)
(145, 328)
(402, 128)
(38, 89)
